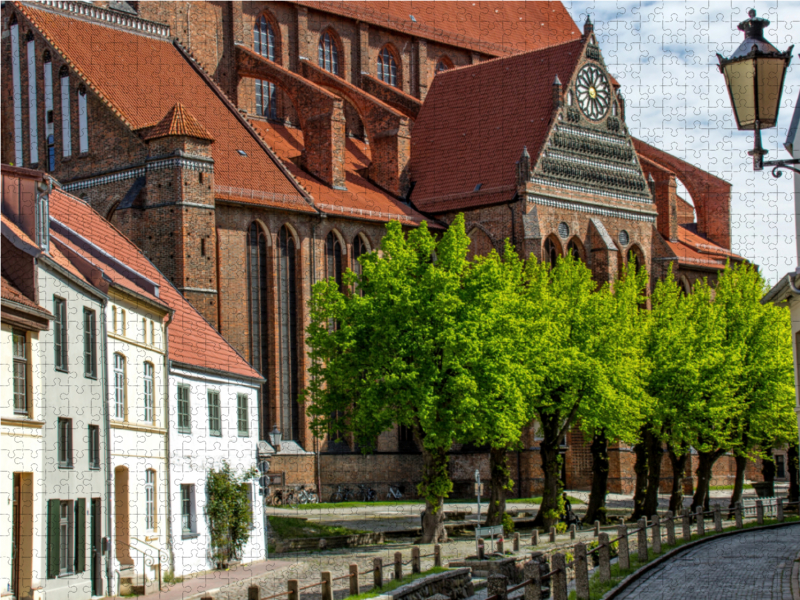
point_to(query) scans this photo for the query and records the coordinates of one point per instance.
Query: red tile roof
(179, 121)
(694, 250)
(142, 78)
(17, 231)
(361, 200)
(475, 123)
(192, 340)
(8, 291)
(495, 28)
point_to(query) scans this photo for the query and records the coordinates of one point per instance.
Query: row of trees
(472, 351)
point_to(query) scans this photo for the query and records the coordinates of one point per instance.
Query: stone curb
(625, 583)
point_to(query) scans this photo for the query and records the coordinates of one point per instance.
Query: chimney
(588, 27)
(556, 93)
(524, 167)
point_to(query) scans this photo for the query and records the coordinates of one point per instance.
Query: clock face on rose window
(593, 92)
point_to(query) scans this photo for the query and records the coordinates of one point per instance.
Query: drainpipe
(107, 428)
(167, 447)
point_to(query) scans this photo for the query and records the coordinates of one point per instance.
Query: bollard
(377, 572)
(253, 592)
(604, 552)
(641, 538)
(656, 534)
(516, 542)
(737, 511)
(533, 591)
(415, 560)
(354, 585)
(437, 556)
(398, 565)
(481, 550)
(581, 565)
(670, 528)
(624, 554)
(497, 585)
(535, 538)
(760, 512)
(327, 586)
(780, 510)
(294, 589)
(596, 528)
(500, 549)
(701, 521)
(572, 530)
(558, 582)
(552, 534)
(687, 526)
(717, 519)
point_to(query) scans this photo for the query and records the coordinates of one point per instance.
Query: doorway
(780, 466)
(121, 518)
(96, 554)
(22, 536)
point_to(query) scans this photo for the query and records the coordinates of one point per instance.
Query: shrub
(508, 524)
(228, 512)
(561, 527)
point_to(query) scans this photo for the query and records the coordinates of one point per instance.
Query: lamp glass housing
(275, 437)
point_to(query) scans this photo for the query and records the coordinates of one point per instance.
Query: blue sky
(664, 56)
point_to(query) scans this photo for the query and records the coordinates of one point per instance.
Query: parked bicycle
(366, 494)
(342, 494)
(306, 497)
(394, 493)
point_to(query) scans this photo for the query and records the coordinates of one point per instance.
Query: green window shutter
(53, 545)
(80, 535)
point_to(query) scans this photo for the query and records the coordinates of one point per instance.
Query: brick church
(253, 148)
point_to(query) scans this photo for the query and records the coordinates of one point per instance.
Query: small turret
(524, 167)
(588, 27)
(556, 93)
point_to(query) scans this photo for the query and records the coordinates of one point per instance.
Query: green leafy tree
(403, 353)
(228, 512)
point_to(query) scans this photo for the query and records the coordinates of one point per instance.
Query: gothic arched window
(575, 250)
(551, 252)
(259, 313)
(333, 258)
(287, 298)
(328, 53)
(387, 67)
(264, 38)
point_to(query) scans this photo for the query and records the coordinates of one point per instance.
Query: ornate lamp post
(754, 77)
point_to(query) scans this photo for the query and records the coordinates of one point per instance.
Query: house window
(64, 443)
(32, 105)
(66, 562)
(16, 79)
(89, 343)
(333, 266)
(19, 342)
(60, 333)
(150, 499)
(48, 110)
(359, 249)
(328, 53)
(83, 121)
(242, 415)
(287, 298)
(264, 38)
(184, 416)
(214, 418)
(188, 520)
(94, 447)
(144, 330)
(119, 386)
(66, 134)
(387, 67)
(266, 99)
(149, 386)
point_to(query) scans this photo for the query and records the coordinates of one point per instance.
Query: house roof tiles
(179, 121)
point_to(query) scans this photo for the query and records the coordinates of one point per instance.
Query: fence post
(624, 554)
(294, 589)
(377, 573)
(354, 585)
(572, 530)
(398, 565)
(737, 512)
(415, 560)
(437, 555)
(596, 528)
(535, 538)
(500, 549)
(780, 510)
(604, 552)
(327, 586)
(497, 585)
(717, 519)
(687, 526)
(533, 591)
(641, 537)
(558, 582)
(656, 534)
(253, 592)
(552, 534)
(516, 542)
(760, 512)
(581, 572)
(671, 528)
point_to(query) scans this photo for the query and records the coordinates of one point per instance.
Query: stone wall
(455, 584)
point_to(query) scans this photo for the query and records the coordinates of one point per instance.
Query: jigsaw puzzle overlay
(430, 300)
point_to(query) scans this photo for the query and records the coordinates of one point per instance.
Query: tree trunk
(793, 466)
(738, 482)
(705, 464)
(654, 454)
(434, 469)
(597, 498)
(549, 512)
(768, 469)
(678, 470)
(499, 484)
(640, 468)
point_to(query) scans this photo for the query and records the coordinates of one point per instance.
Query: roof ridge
(106, 17)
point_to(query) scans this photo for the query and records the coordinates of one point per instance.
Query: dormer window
(387, 67)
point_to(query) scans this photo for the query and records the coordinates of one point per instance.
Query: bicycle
(394, 493)
(306, 497)
(366, 494)
(342, 494)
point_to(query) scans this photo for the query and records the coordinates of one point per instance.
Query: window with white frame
(64, 443)
(19, 343)
(149, 388)
(214, 416)
(66, 125)
(188, 517)
(66, 555)
(94, 447)
(83, 121)
(184, 414)
(266, 99)
(119, 386)
(89, 343)
(242, 415)
(60, 333)
(150, 499)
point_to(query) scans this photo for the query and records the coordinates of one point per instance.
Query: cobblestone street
(755, 564)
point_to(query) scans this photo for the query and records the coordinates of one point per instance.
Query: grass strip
(359, 504)
(395, 583)
(292, 527)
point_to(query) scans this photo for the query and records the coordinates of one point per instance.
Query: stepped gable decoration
(179, 121)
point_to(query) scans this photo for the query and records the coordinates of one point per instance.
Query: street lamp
(275, 438)
(754, 76)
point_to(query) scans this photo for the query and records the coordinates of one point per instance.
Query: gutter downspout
(792, 287)
(107, 427)
(167, 447)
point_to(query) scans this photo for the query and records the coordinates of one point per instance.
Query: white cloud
(664, 56)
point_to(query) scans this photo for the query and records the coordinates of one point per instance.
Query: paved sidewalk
(755, 564)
